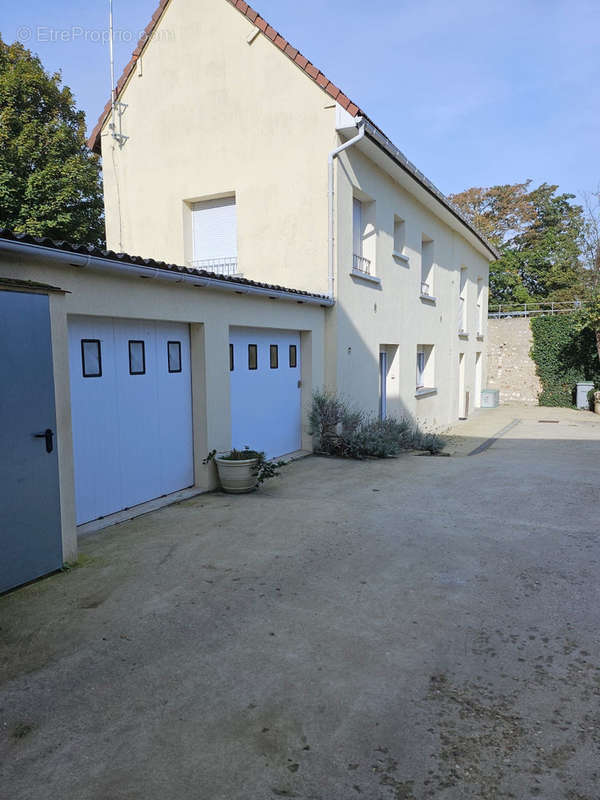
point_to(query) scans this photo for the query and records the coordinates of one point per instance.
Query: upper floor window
(479, 306)
(214, 232)
(427, 267)
(363, 236)
(462, 301)
(399, 237)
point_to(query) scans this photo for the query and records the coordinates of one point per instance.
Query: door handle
(48, 435)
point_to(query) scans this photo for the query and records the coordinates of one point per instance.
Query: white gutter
(332, 156)
(110, 265)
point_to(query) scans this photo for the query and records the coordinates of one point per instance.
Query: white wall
(211, 115)
(369, 315)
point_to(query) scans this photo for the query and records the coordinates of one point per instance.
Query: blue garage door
(30, 534)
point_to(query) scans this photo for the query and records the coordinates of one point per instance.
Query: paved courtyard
(402, 629)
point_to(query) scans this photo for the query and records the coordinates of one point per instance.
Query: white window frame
(399, 243)
(463, 294)
(479, 307)
(219, 254)
(421, 364)
(427, 267)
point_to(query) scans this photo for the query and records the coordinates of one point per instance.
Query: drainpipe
(332, 156)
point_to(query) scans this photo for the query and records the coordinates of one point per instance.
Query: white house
(282, 244)
(229, 150)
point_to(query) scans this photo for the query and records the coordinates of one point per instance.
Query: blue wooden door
(30, 529)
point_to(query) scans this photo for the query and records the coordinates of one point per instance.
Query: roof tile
(111, 255)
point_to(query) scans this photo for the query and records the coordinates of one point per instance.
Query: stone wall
(510, 367)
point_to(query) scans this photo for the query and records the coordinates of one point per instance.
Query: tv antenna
(117, 108)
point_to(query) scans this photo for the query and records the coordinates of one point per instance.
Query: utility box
(583, 389)
(490, 398)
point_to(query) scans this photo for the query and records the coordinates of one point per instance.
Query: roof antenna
(117, 108)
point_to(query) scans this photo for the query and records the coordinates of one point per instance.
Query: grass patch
(80, 562)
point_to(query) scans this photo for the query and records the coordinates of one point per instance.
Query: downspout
(332, 156)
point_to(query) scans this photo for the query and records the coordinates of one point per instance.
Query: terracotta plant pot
(237, 477)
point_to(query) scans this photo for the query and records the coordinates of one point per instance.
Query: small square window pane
(293, 356)
(174, 354)
(91, 359)
(274, 356)
(137, 358)
(231, 358)
(252, 356)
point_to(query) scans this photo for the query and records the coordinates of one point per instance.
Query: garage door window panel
(91, 358)
(174, 356)
(252, 356)
(293, 356)
(137, 357)
(273, 356)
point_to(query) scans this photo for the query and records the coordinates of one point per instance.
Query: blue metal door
(30, 530)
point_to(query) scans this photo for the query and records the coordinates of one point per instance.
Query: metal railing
(220, 266)
(532, 309)
(361, 264)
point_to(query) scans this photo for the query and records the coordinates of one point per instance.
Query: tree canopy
(50, 182)
(539, 235)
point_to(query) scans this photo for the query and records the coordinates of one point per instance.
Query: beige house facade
(217, 115)
(124, 433)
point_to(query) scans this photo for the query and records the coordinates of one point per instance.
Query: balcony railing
(361, 264)
(221, 266)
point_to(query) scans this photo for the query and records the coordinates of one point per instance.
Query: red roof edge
(254, 17)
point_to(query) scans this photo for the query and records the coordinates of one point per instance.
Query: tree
(590, 311)
(50, 182)
(538, 233)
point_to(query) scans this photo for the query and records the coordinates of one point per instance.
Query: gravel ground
(391, 630)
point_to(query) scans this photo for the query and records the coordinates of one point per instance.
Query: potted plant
(244, 470)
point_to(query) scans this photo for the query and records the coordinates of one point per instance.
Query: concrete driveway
(409, 628)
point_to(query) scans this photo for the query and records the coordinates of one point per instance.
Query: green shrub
(564, 355)
(344, 431)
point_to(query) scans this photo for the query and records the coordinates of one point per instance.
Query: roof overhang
(382, 152)
(125, 265)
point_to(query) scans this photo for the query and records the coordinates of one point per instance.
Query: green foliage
(341, 430)
(564, 354)
(49, 181)
(539, 236)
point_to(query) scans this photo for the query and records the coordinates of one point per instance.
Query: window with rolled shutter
(214, 227)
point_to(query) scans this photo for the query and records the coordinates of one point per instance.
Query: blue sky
(475, 92)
